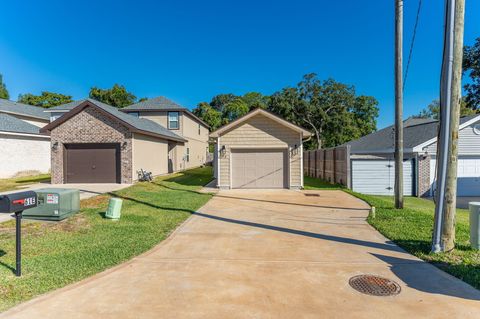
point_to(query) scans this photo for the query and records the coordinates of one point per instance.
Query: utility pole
(398, 104)
(447, 150)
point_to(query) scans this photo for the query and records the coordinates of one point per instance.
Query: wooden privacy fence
(330, 164)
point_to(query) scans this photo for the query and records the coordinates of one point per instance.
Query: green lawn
(411, 228)
(15, 183)
(56, 254)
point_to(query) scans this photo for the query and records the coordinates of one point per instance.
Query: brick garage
(91, 126)
(96, 143)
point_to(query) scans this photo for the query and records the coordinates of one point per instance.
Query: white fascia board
(24, 134)
(419, 148)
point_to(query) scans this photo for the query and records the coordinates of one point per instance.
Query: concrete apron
(264, 254)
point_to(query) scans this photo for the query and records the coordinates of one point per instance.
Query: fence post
(334, 165)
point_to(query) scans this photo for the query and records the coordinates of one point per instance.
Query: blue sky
(191, 50)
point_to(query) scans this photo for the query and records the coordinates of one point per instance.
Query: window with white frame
(173, 121)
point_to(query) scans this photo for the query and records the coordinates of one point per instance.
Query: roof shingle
(12, 124)
(10, 107)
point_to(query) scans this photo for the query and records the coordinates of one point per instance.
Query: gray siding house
(372, 159)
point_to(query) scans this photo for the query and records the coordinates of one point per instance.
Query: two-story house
(92, 142)
(181, 121)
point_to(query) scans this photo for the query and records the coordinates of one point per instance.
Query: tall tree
(45, 99)
(3, 89)
(329, 108)
(209, 115)
(471, 65)
(116, 96)
(255, 100)
(433, 110)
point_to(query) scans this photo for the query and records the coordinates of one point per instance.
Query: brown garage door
(259, 169)
(92, 163)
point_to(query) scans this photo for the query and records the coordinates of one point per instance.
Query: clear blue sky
(191, 50)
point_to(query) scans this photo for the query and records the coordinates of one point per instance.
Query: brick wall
(91, 126)
(423, 175)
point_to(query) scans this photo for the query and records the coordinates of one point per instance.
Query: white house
(372, 161)
(23, 149)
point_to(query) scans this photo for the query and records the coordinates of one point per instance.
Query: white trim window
(173, 120)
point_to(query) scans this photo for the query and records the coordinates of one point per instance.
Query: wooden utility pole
(398, 104)
(448, 227)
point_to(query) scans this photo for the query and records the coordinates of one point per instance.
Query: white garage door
(468, 176)
(378, 177)
(259, 169)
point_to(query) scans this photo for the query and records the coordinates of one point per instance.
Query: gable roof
(416, 132)
(258, 111)
(12, 124)
(161, 103)
(156, 103)
(67, 106)
(10, 107)
(134, 123)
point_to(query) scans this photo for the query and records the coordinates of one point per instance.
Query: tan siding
(150, 154)
(197, 143)
(261, 131)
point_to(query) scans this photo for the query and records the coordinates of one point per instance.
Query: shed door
(92, 163)
(259, 169)
(378, 177)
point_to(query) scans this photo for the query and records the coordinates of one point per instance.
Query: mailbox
(17, 202)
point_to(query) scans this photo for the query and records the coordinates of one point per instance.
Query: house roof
(10, 107)
(12, 124)
(136, 124)
(67, 106)
(257, 111)
(156, 103)
(416, 131)
(161, 103)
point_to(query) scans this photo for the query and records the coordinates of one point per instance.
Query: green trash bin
(474, 224)
(114, 208)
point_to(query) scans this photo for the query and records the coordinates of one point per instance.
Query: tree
(209, 115)
(45, 99)
(117, 96)
(3, 89)
(255, 100)
(329, 108)
(433, 110)
(471, 64)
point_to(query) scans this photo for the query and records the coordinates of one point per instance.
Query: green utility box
(474, 224)
(114, 208)
(54, 204)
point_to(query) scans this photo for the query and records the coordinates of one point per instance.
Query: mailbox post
(17, 203)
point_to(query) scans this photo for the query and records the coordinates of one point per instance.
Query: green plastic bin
(114, 208)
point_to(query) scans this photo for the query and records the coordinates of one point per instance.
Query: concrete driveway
(264, 254)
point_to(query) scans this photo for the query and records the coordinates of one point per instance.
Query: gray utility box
(54, 204)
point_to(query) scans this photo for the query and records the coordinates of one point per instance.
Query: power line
(412, 42)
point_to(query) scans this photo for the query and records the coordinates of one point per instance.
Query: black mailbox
(17, 202)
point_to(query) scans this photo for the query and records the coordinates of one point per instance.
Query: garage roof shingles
(415, 132)
(136, 122)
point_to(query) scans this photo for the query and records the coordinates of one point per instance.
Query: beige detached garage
(259, 150)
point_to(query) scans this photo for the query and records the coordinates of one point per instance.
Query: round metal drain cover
(374, 285)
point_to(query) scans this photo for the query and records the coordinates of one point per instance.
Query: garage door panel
(377, 177)
(468, 176)
(258, 169)
(92, 163)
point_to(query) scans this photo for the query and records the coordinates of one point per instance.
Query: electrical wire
(412, 42)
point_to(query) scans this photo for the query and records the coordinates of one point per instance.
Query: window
(173, 123)
(188, 154)
(198, 129)
(136, 114)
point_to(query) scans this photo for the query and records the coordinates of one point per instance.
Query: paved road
(264, 254)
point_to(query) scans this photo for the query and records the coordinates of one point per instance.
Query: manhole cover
(310, 194)
(374, 285)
